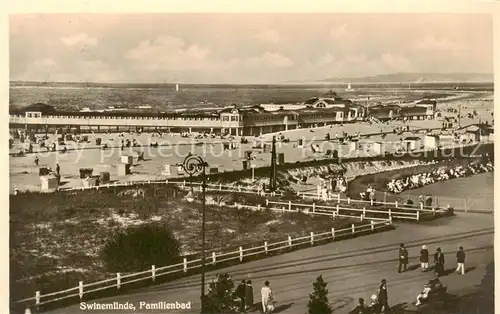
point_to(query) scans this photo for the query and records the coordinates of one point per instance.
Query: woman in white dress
(267, 298)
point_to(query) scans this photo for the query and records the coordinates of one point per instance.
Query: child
(374, 305)
(424, 258)
(424, 294)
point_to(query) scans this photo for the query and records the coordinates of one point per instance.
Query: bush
(318, 303)
(137, 248)
(220, 297)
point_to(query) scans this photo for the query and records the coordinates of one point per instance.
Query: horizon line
(341, 80)
(256, 84)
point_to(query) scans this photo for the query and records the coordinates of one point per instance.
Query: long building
(248, 121)
(421, 110)
(255, 120)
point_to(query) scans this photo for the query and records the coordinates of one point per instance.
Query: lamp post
(194, 165)
(253, 172)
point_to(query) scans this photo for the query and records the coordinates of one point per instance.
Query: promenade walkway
(352, 268)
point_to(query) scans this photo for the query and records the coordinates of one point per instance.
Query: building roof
(412, 138)
(229, 109)
(384, 107)
(426, 102)
(311, 101)
(413, 110)
(433, 135)
(328, 100)
(49, 110)
(38, 107)
(479, 127)
(278, 113)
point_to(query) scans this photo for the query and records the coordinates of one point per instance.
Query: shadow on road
(282, 308)
(341, 303)
(452, 270)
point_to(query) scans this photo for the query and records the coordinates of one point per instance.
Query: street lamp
(194, 165)
(253, 172)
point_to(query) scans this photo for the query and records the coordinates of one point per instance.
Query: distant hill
(417, 78)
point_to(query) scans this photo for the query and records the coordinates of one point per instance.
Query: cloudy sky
(250, 48)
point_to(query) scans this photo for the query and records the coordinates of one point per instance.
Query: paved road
(352, 268)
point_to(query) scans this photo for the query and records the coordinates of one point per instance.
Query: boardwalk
(352, 268)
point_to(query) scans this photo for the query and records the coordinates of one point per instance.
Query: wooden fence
(346, 212)
(337, 198)
(197, 186)
(80, 290)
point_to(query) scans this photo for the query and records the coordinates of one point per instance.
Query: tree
(318, 300)
(220, 296)
(137, 248)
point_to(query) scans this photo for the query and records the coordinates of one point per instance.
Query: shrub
(137, 248)
(219, 298)
(318, 300)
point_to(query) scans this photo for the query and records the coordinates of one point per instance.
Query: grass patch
(56, 238)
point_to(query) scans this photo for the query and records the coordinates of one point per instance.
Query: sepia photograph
(316, 163)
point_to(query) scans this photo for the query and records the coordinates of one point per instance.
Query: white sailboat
(349, 88)
(176, 87)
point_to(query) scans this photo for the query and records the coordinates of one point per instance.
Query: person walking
(267, 297)
(249, 295)
(403, 258)
(438, 262)
(37, 161)
(383, 296)
(240, 293)
(424, 258)
(461, 261)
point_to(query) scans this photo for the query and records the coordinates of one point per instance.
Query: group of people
(244, 294)
(379, 301)
(368, 194)
(339, 183)
(434, 286)
(334, 183)
(424, 260)
(422, 179)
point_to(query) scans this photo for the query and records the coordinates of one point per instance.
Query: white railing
(211, 259)
(420, 207)
(197, 186)
(346, 212)
(464, 204)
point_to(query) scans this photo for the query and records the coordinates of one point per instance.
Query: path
(352, 268)
(474, 192)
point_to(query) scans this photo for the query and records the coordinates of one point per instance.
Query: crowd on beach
(421, 179)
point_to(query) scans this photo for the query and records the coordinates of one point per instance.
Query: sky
(244, 48)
